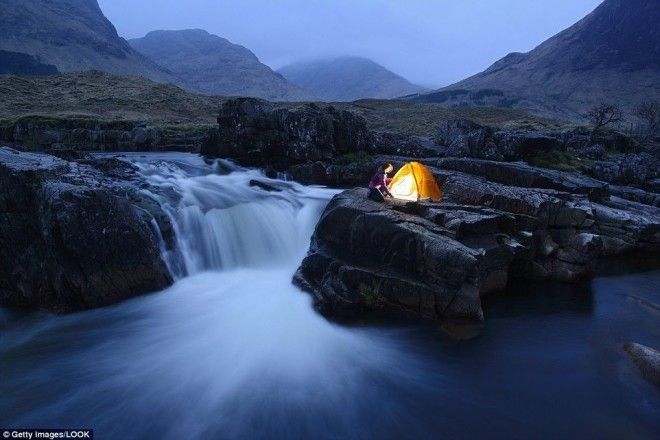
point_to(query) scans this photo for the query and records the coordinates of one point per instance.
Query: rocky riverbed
(82, 231)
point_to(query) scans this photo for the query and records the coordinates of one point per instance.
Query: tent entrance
(415, 182)
(405, 188)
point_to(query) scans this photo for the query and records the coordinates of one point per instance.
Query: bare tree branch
(649, 113)
(602, 115)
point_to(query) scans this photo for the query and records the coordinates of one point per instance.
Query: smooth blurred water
(233, 350)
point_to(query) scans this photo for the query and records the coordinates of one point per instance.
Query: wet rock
(646, 359)
(263, 185)
(366, 257)
(309, 173)
(497, 221)
(72, 236)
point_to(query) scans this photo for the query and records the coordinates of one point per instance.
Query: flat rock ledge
(496, 221)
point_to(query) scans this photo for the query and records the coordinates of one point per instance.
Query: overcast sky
(431, 42)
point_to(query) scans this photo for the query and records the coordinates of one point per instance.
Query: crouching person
(378, 185)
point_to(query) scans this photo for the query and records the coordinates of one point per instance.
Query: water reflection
(533, 298)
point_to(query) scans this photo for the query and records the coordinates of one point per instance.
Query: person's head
(387, 168)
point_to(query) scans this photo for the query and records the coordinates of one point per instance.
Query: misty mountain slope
(348, 79)
(611, 55)
(72, 35)
(215, 66)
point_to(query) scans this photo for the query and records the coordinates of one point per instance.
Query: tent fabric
(414, 181)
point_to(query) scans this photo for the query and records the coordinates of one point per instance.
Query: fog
(432, 43)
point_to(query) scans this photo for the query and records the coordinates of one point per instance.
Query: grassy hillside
(104, 97)
(109, 98)
(421, 119)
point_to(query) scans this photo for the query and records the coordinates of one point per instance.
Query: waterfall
(222, 222)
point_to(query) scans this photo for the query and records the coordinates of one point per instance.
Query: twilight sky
(430, 42)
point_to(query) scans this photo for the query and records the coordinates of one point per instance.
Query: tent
(414, 181)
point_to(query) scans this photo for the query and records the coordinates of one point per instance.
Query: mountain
(348, 79)
(215, 66)
(16, 63)
(71, 35)
(611, 55)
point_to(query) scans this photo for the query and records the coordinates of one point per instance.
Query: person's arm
(385, 186)
(383, 180)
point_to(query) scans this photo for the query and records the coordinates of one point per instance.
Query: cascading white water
(223, 222)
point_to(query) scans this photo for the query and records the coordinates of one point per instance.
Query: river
(233, 350)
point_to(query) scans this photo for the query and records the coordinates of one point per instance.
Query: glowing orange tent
(414, 181)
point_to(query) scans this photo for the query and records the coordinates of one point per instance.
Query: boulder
(646, 359)
(465, 138)
(72, 236)
(400, 144)
(310, 173)
(263, 185)
(256, 132)
(365, 257)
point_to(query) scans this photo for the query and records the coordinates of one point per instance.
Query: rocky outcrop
(259, 133)
(52, 133)
(464, 138)
(636, 169)
(363, 256)
(75, 234)
(320, 144)
(496, 221)
(646, 359)
(256, 133)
